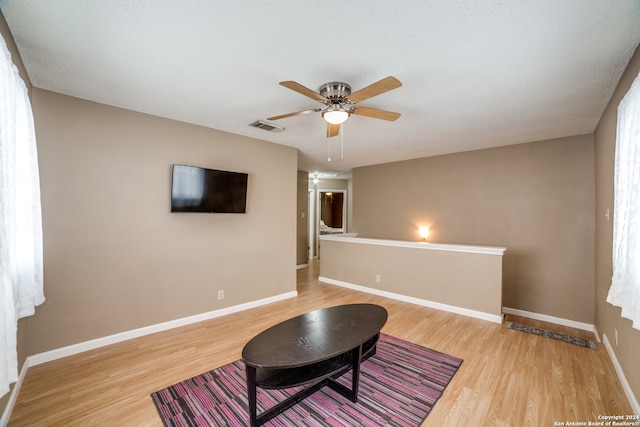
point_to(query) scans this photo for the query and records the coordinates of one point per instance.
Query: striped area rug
(399, 386)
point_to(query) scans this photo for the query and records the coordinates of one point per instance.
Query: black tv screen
(195, 189)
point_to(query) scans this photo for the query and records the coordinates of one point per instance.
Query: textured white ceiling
(475, 74)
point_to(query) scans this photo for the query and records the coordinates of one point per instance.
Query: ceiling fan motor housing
(335, 90)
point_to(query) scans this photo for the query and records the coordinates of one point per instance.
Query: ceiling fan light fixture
(335, 116)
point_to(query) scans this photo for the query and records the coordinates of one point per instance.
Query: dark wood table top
(314, 336)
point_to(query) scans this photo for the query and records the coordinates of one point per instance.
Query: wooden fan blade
(332, 130)
(303, 90)
(377, 88)
(297, 113)
(376, 114)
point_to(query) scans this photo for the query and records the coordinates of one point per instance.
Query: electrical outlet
(377, 278)
(220, 294)
(615, 335)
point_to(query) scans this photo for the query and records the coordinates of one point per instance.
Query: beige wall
(536, 199)
(116, 259)
(330, 184)
(607, 317)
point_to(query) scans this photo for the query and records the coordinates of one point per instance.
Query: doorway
(331, 215)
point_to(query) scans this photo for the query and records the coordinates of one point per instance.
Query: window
(625, 283)
(20, 215)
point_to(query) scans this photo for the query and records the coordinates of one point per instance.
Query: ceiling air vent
(266, 126)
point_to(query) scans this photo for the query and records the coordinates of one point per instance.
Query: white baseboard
(623, 380)
(417, 301)
(4, 421)
(58, 353)
(301, 266)
(551, 319)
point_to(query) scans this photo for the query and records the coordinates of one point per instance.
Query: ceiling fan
(340, 103)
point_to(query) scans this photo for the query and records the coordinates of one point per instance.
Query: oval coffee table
(314, 348)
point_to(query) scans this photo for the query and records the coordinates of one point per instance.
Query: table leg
(251, 391)
(355, 372)
(351, 394)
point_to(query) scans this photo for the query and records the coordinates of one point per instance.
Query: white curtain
(21, 281)
(625, 284)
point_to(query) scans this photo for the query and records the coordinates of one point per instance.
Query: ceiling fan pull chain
(329, 158)
(342, 142)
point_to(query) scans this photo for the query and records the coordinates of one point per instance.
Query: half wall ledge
(463, 279)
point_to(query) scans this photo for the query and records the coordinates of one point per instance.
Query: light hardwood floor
(508, 378)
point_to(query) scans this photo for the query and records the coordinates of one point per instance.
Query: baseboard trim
(551, 319)
(623, 379)
(301, 266)
(418, 301)
(70, 350)
(6, 414)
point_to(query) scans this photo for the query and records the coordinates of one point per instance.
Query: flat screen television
(195, 189)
